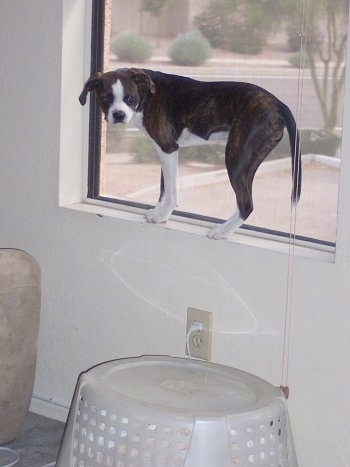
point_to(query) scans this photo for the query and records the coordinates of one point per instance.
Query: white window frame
(74, 150)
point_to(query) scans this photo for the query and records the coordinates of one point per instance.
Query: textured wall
(114, 288)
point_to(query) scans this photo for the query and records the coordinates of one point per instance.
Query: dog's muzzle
(118, 116)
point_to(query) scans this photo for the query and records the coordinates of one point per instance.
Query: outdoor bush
(312, 142)
(143, 150)
(235, 25)
(115, 138)
(319, 142)
(293, 37)
(131, 47)
(247, 40)
(295, 61)
(190, 49)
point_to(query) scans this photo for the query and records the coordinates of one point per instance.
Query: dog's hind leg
(168, 197)
(242, 185)
(245, 151)
(239, 160)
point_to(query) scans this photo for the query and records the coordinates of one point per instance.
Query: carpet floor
(38, 443)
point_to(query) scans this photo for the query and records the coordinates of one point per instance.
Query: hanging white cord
(11, 451)
(293, 214)
(17, 457)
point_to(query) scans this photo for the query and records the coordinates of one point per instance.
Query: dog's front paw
(157, 215)
(161, 212)
(154, 217)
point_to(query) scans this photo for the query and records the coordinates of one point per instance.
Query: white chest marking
(188, 139)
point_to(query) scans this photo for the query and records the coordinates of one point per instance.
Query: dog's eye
(128, 100)
(106, 99)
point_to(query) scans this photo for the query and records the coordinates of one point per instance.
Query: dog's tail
(294, 139)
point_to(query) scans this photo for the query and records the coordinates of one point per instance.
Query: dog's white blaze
(118, 104)
(188, 139)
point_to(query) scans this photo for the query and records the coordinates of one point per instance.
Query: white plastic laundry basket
(166, 412)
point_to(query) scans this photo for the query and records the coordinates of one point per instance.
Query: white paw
(218, 232)
(225, 230)
(158, 214)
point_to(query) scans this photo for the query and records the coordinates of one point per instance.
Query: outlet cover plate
(198, 344)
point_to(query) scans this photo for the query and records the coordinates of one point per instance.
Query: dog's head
(120, 92)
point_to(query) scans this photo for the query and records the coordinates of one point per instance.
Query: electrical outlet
(198, 342)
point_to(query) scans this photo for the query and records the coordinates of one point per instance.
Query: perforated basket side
(105, 437)
(122, 418)
(260, 438)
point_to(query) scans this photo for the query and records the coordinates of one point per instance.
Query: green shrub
(319, 142)
(247, 40)
(190, 49)
(293, 38)
(115, 137)
(312, 142)
(144, 150)
(295, 61)
(235, 25)
(131, 47)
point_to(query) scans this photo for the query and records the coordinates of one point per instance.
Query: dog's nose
(118, 116)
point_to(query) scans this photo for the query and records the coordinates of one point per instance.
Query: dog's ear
(141, 78)
(92, 84)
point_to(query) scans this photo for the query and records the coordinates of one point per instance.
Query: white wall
(114, 288)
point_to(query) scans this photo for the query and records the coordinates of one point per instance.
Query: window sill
(309, 250)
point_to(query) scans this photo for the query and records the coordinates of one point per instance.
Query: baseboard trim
(48, 408)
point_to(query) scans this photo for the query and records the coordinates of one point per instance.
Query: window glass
(294, 50)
